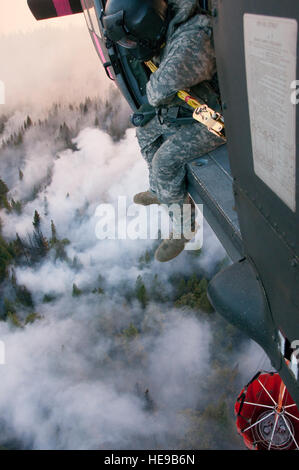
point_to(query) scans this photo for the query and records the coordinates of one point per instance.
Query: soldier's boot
(146, 198)
(182, 234)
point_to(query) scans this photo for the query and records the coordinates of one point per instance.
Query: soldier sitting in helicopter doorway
(176, 35)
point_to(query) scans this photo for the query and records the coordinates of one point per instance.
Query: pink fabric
(99, 47)
(101, 52)
(62, 7)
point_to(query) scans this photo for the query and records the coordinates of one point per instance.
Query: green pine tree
(141, 292)
(36, 220)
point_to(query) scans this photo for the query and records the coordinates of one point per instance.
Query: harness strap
(202, 113)
(173, 116)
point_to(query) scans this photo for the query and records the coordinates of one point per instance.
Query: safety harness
(178, 115)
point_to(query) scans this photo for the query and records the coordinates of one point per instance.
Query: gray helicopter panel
(256, 44)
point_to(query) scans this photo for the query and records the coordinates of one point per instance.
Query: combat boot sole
(170, 249)
(146, 198)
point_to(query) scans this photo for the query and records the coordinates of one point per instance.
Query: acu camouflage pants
(167, 150)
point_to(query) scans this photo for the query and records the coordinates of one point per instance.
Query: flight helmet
(138, 25)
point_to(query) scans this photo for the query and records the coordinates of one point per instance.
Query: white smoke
(58, 392)
(49, 65)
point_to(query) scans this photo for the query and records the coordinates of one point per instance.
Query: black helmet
(139, 25)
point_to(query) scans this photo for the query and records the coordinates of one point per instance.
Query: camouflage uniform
(187, 59)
